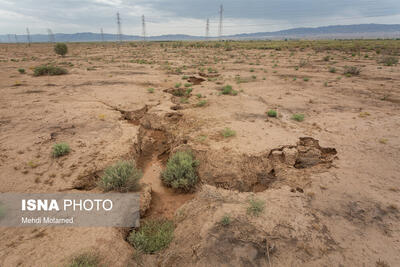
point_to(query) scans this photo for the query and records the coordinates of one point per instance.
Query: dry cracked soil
(330, 183)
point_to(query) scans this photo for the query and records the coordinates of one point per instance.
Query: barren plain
(326, 167)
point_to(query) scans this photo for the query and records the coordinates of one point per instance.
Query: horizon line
(201, 36)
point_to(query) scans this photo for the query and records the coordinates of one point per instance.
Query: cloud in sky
(188, 17)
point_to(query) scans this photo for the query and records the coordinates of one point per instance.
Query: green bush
(228, 132)
(2, 210)
(61, 49)
(201, 103)
(226, 220)
(84, 260)
(152, 236)
(184, 100)
(272, 113)
(178, 92)
(60, 149)
(298, 117)
(389, 60)
(188, 91)
(22, 71)
(180, 172)
(240, 79)
(211, 70)
(351, 70)
(150, 90)
(228, 90)
(123, 176)
(48, 70)
(255, 207)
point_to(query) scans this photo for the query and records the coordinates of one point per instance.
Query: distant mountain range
(326, 32)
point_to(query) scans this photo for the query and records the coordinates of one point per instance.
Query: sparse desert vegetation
(298, 117)
(228, 90)
(2, 210)
(180, 172)
(256, 206)
(228, 132)
(272, 113)
(123, 176)
(61, 49)
(252, 152)
(389, 60)
(351, 70)
(60, 149)
(48, 70)
(87, 259)
(201, 103)
(153, 236)
(226, 220)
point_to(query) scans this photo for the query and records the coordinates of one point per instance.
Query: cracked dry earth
(330, 183)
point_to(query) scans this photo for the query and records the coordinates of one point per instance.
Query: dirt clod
(259, 172)
(195, 80)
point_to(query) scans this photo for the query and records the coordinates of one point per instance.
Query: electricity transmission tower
(52, 39)
(28, 36)
(102, 35)
(221, 10)
(9, 38)
(207, 28)
(143, 28)
(16, 38)
(119, 27)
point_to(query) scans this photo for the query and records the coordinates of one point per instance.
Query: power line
(221, 10)
(208, 28)
(28, 36)
(119, 27)
(230, 21)
(304, 21)
(143, 28)
(52, 39)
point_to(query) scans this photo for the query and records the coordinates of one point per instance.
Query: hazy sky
(189, 16)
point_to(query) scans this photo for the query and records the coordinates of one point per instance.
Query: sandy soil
(331, 199)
